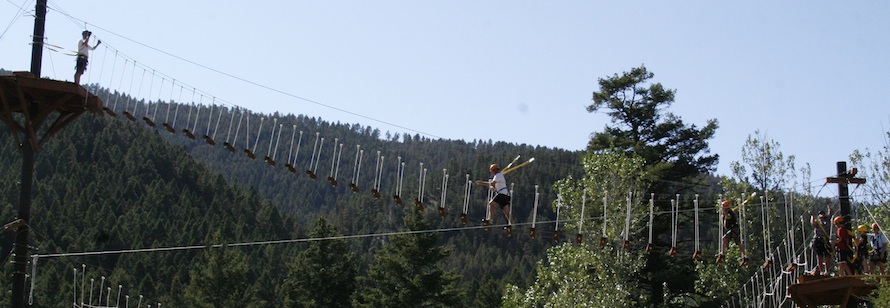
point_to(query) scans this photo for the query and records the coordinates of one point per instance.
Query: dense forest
(105, 184)
(191, 222)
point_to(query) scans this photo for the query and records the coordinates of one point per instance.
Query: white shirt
(83, 48)
(500, 184)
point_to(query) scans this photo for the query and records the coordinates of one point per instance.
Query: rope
(314, 148)
(535, 209)
(198, 114)
(583, 205)
(229, 131)
(151, 88)
(467, 195)
(764, 221)
(445, 190)
(299, 143)
(720, 227)
(422, 181)
(651, 217)
(605, 211)
(238, 129)
(627, 217)
(129, 97)
(258, 132)
(695, 206)
(558, 207)
(317, 159)
(334, 158)
(378, 169)
(339, 154)
(400, 172)
(170, 103)
(675, 208)
(176, 111)
(277, 141)
(21, 12)
(154, 114)
(120, 84)
(272, 138)
(357, 165)
(210, 118)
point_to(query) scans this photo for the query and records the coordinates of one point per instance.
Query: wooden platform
(37, 100)
(61, 96)
(812, 291)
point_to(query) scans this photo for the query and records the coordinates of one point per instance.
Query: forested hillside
(109, 184)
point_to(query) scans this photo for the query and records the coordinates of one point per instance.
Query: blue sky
(809, 74)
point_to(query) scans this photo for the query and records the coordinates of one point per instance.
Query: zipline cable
(267, 242)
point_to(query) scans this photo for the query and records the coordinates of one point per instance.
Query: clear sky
(811, 75)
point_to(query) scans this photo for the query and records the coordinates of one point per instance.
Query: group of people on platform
(855, 252)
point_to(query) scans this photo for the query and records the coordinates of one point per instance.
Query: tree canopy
(641, 124)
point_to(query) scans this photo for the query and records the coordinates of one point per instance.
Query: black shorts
(81, 64)
(820, 247)
(734, 235)
(844, 255)
(876, 258)
(502, 200)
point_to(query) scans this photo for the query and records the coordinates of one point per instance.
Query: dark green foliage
(220, 280)
(322, 275)
(489, 294)
(673, 150)
(676, 157)
(407, 272)
(106, 184)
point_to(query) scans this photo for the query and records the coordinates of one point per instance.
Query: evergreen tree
(324, 274)
(406, 272)
(490, 294)
(220, 281)
(673, 150)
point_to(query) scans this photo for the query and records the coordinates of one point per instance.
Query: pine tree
(220, 281)
(406, 272)
(324, 274)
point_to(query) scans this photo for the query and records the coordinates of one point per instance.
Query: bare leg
(506, 210)
(491, 210)
(843, 269)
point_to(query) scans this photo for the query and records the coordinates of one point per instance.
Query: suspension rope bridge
(769, 284)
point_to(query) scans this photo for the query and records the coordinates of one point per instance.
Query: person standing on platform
(821, 240)
(83, 54)
(861, 243)
(843, 246)
(878, 255)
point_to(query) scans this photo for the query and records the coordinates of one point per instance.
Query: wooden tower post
(27, 102)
